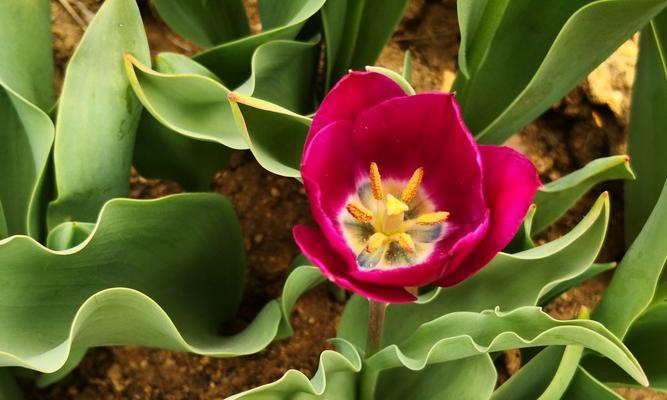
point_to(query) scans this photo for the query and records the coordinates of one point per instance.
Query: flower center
(395, 222)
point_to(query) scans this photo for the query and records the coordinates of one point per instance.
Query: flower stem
(375, 326)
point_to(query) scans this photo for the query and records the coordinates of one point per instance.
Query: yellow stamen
(375, 241)
(360, 213)
(376, 182)
(395, 206)
(406, 242)
(432, 218)
(411, 188)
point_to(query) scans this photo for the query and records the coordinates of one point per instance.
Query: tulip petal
(329, 179)
(424, 130)
(315, 246)
(510, 183)
(353, 94)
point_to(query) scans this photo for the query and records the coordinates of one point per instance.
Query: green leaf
(528, 69)
(281, 20)
(509, 281)
(26, 134)
(646, 339)
(634, 283)
(465, 334)
(275, 135)
(470, 13)
(467, 378)
(206, 22)
(68, 234)
(555, 198)
(160, 152)
(356, 32)
(335, 379)
(534, 377)
(97, 115)
(585, 387)
(26, 50)
(198, 107)
(592, 271)
(647, 141)
(546, 376)
(9, 390)
(395, 76)
(300, 280)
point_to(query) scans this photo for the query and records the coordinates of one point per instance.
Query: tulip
(402, 194)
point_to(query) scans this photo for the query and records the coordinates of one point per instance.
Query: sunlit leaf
(97, 115)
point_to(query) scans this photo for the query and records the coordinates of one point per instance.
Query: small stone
(275, 192)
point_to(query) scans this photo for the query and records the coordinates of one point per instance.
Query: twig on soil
(75, 16)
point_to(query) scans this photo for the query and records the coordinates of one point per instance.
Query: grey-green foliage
(647, 141)
(511, 71)
(97, 115)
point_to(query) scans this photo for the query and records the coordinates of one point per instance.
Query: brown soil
(582, 127)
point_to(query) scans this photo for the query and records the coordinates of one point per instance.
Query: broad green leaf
(97, 293)
(280, 19)
(97, 115)
(9, 390)
(465, 334)
(528, 69)
(555, 198)
(509, 281)
(26, 134)
(646, 339)
(647, 141)
(26, 50)
(275, 135)
(356, 31)
(335, 379)
(585, 387)
(467, 378)
(634, 283)
(197, 106)
(205, 22)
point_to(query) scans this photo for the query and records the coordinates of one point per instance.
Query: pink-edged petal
(424, 130)
(446, 256)
(510, 183)
(328, 176)
(354, 93)
(314, 245)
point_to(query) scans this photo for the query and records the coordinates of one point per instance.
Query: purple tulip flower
(402, 194)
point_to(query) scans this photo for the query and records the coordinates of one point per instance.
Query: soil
(589, 123)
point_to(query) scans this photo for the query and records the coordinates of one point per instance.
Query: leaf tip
(233, 96)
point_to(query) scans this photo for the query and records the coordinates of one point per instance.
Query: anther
(375, 242)
(376, 182)
(406, 242)
(360, 213)
(411, 188)
(432, 218)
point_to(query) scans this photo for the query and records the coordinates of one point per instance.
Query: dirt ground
(589, 123)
